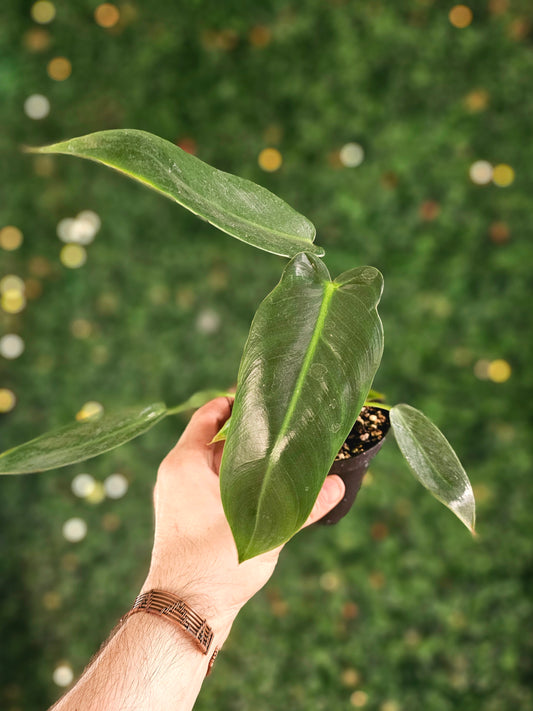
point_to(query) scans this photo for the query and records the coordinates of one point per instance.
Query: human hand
(194, 554)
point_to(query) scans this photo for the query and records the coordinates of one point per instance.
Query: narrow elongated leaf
(311, 355)
(433, 462)
(239, 207)
(81, 440)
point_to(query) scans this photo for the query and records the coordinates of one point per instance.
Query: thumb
(330, 495)
(204, 425)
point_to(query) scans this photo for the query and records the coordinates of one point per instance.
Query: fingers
(204, 425)
(330, 495)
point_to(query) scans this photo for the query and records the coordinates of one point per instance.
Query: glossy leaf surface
(237, 206)
(80, 440)
(311, 355)
(433, 462)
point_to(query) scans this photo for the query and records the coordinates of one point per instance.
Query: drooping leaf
(433, 462)
(311, 355)
(81, 440)
(237, 206)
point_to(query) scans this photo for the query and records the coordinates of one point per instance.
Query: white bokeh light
(83, 485)
(74, 530)
(36, 107)
(63, 675)
(116, 485)
(352, 155)
(11, 346)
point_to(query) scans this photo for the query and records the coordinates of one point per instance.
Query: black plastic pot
(352, 471)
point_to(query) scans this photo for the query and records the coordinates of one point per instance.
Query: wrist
(219, 621)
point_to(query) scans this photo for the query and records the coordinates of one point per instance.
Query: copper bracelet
(167, 605)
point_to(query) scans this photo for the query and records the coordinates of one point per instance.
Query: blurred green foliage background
(397, 607)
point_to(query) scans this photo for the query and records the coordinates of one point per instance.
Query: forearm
(149, 663)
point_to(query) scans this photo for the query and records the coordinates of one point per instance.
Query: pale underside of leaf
(433, 462)
(234, 205)
(308, 364)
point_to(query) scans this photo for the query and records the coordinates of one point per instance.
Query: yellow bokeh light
(7, 400)
(359, 699)
(502, 175)
(73, 256)
(97, 495)
(499, 371)
(52, 600)
(350, 677)
(10, 238)
(81, 328)
(106, 15)
(477, 100)
(460, 16)
(43, 12)
(270, 159)
(91, 409)
(13, 301)
(59, 68)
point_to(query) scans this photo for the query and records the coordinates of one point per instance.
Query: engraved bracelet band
(167, 605)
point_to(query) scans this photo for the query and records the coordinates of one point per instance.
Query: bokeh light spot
(10, 238)
(208, 322)
(8, 400)
(499, 371)
(11, 346)
(91, 410)
(359, 699)
(36, 107)
(116, 486)
(350, 677)
(59, 68)
(107, 15)
(503, 175)
(73, 256)
(81, 328)
(74, 530)
(51, 600)
(37, 39)
(13, 301)
(481, 369)
(260, 36)
(481, 172)
(82, 485)
(97, 495)
(499, 232)
(63, 675)
(351, 155)
(477, 100)
(330, 581)
(270, 159)
(43, 12)
(461, 16)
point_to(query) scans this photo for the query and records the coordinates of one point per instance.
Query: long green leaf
(311, 355)
(239, 207)
(83, 440)
(80, 440)
(433, 462)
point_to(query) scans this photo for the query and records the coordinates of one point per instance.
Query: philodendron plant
(306, 372)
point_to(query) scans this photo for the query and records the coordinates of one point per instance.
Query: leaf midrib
(297, 240)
